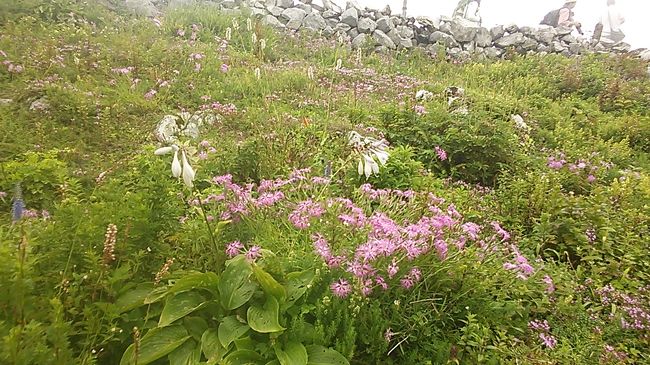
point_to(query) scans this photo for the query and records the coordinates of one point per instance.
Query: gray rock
(493, 52)
(327, 14)
(383, 39)
(569, 38)
(332, 23)
(645, 55)
(328, 31)
(543, 48)
(353, 33)
(563, 30)
(461, 33)
(454, 52)
(259, 5)
(557, 47)
(257, 13)
(546, 36)
(141, 7)
(386, 11)
(305, 7)
(526, 30)
(442, 38)
(342, 27)
(270, 3)
(366, 25)
(575, 48)
(529, 44)
(273, 22)
(229, 4)
(483, 37)
(445, 27)
(512, 28)
(510, 40)
(361, 40)
(284, 3)
(350, 17)
(405, 32)
(384, 24)
(314, 21)
(293, 14)
(497, 32)
(352, 4)
(275, 10)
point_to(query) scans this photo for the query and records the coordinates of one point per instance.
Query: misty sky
(531, 12)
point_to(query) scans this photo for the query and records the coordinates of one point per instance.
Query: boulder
(350, 17)
(284, 3)
(360, 40)
(383, 39)
(307, 8)
(327, 14)
(293, 15)
(442, 38)
(353, 33)
(510, 40)
(497, 32)
(405, 32)
(462, 33)
(273, 22)
(529, 44)
(384, 24)
(366, 25)
(557, 47)
(493, 52)
(141, 7)
(483, 37)
(512, 28)
(275, 10)
(546, 35)
(563, 30)
(314, 21)
(342, 27)
(569, 38)
(229, 4)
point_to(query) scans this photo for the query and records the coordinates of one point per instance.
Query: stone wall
(381, 29)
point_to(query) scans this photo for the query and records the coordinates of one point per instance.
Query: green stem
(220, 258)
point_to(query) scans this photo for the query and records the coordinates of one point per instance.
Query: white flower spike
(176, 165)
(188, 172)
(163, 151)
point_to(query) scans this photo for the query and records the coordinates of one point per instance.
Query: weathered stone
(332, 22)
(275, 10)
(526, 30)
(327, 14)
(575, 48)
(563, 30)
(270, 3)
(229, 4)
(350, 17)
(493, 52)
(445, 28)
(366, 25)
(543, 48)
(510, 40)
(483, 37)
(497, 32)
(361, 40)
(454, 52)
(314, 21)
(383, 39)
(557, 47)
(353, 4)
(293, 15)
(307, 8)
(386, 11)
(405, 32)
(342, 27)
(442, 38)
(529, 44)
(462, 33)
(353, 33)
(257, 13)
(569, 38)
(384, 24)
(273, 22)
(328, 31)
(512, 28)
(546, 36)
(284, 3)
(645, 55)
(141, 7)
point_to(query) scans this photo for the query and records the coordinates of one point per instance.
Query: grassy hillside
(509, 224)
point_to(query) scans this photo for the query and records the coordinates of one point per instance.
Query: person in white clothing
(611, 21)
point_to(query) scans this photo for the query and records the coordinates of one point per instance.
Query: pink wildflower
(234, 248)
(442, 154)
(254, 252)
(341, 288)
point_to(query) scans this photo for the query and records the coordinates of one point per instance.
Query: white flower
(339, 64)
(424, 95)
(188, 172)
(163, 151)
(373, 152)
(258, 73)
(176, 165)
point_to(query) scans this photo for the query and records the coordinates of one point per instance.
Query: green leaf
(235, 286)
(157, 343)
(180, 305)
(294, 353)
(156, 294)
(195, 326)
(243, 357)
(319, 355)
(210, 345)
(195, 280)
(245, 343)
(230, 330)
(297, 283)
(187, 354)
(133, 298)
(269, 284)
(265, 319)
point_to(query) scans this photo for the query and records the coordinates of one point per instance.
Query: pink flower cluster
(235, 248)
(579, 167)
(442, 154)
(519, 265)
(543, 332)
(634, 309)
(223, 109)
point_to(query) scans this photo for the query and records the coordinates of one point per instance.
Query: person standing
(467, 13)
(611, 20)
(563, 17)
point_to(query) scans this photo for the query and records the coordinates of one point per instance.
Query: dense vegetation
(510, 223)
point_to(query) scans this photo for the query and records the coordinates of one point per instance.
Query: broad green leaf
(195, 280)
(195, 326)
(243, 357)
(294, 353)
(235, 286)
(319, 355)
(273, 362)
(157, 343)
(156, 294)
(230, 330)
(297, 283)
(180, 305)
(245, 343)
(265, 319)
(188, 353)
(133, 298)
(211, 346)
(269, 284)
